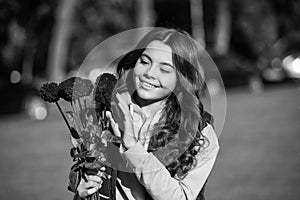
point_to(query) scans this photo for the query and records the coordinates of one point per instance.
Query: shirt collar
(145, 111)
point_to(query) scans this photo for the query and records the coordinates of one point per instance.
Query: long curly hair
(176, 139)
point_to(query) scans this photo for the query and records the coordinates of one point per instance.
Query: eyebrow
(163, 63)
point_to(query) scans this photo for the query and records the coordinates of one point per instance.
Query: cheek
(138, 70)
(170, 81)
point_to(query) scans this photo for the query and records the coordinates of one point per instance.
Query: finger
(116, 130)
(85, 193)
(114, 125)
(92, 191)
(138, 110)
(131, 110)
(111, 119)
(91, 181)
(82, 193)
(101, 174)
(123, 99)
(92, 184)
(86, 188)
(96, 179)
(109, 115)
(128, 114)
(123, 104)
(103, 168)
(124, 109)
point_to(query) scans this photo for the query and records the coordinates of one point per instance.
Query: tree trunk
(197, 21)
(144, 14)
(28, 60)
(58, 50)
(223, 28)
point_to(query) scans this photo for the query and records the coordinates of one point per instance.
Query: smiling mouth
(147, 85)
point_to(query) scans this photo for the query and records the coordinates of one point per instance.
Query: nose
(151, 72)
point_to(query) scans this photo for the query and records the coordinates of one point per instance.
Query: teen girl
(169, 145)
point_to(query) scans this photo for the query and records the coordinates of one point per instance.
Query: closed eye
(144, 60)
(165, 70)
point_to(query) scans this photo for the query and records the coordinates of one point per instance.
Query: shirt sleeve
(156, 178)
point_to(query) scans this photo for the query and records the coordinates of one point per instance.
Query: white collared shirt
(146, 175)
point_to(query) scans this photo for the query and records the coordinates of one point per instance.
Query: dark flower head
(105, 85)
(106, 78)
(49, 92)
(75, 87)
(82, 87)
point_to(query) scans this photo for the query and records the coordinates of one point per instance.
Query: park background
(47, 40)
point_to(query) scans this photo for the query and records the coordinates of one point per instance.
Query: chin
(146, 95)
(150, 95)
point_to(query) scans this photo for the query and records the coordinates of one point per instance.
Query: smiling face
(154, 72)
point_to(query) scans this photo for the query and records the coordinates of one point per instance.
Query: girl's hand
(128, 137)
(93, 184)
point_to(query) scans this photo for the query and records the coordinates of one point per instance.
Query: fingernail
(102, 168)
(131, 110)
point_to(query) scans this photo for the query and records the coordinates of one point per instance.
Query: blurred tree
(27, 26)
(254, 27)
(173, 13)
(222, 28)
(95, 21)
(58, 52)
(145, 16)
(24, 27)
(287, 15)
(197, 21)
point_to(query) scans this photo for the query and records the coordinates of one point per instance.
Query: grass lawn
(259, 156)
(260, 147)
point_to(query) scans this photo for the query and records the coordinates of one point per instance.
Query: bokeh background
(255, 45)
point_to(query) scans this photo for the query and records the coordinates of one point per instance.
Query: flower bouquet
(87, 122)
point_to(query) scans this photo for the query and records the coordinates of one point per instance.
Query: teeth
(148, 85)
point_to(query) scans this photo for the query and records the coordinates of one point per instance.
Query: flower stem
(73, 107)
(85, 104)
(78, 100)
(76, 110)
(61, 112)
